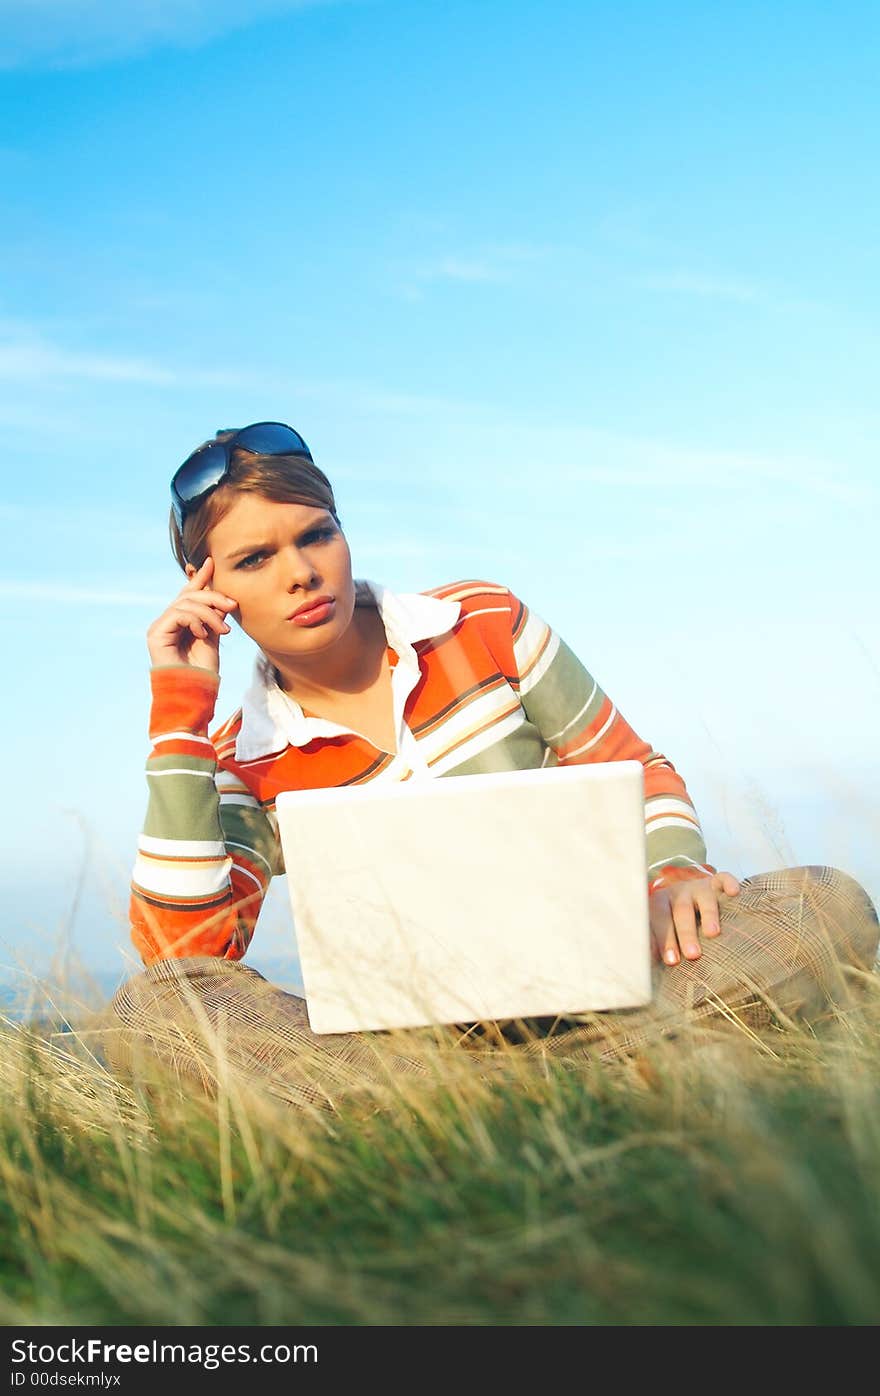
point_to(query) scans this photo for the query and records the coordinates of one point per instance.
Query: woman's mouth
(314, 615)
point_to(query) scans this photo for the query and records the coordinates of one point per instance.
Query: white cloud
(82, 33)
(409, 549)
(27, 356)
(570, 451)
(29, 359)
(644, 463)
(23, 361)
(493, 264)
(94, 526)
(710, 287)
(464, 269)
(60, 593)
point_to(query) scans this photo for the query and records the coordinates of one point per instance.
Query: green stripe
(522, 750)
(560, 694)
(183, 807)
(674, 846)
(251, 827)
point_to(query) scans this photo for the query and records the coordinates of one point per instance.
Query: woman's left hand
(673, 914)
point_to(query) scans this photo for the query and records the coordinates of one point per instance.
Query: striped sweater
(479, 683)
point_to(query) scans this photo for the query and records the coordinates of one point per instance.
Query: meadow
(721, 1178)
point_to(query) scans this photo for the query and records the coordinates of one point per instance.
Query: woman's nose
(299, 571)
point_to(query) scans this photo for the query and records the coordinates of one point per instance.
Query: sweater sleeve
(580, 723)
(208, 850)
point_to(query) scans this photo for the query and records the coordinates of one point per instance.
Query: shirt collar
(271, 720)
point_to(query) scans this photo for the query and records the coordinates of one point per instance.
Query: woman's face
(275, 559)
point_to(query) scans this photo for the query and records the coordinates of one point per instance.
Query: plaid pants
(786, 942)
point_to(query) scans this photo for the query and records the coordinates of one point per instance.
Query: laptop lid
(474, 897)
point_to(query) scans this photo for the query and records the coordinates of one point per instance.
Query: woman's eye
(315, 535)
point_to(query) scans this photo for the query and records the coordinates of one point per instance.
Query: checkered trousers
(789, 943)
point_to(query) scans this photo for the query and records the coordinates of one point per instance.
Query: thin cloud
(27, 356)
(399, 403)
(408, 549)
(93, 526)
(708, 287)
(660, 465)
(490, 265)
(35, 360)
(464, 269)
(57, 593)
(571, 452)
(86, 33)
(23, 362)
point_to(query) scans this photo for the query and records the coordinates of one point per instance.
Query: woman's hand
(673, 915)
(189, 631)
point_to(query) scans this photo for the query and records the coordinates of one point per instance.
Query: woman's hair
(284, 479)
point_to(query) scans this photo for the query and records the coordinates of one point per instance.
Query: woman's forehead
(254, 514)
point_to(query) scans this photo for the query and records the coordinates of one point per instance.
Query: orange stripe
(181, 860)
(426, 729)
(181, 747)
(458, 591)
(689, 819)
(225, 729)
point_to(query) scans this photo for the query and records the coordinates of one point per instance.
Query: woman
(355, 683)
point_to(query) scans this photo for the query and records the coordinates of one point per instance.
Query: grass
(715, 1180)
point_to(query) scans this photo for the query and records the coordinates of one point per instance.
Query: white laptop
(470, 898)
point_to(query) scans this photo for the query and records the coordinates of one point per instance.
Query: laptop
(516, 894)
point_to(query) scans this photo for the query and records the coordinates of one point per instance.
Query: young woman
(356, 683)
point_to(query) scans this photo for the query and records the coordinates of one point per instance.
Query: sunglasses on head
(206, 468)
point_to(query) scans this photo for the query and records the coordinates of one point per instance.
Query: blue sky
(579, 297)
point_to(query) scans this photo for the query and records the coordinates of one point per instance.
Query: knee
(849, 908)
(195, 981)
(841, 884)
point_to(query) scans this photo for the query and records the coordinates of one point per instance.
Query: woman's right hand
(189, 631)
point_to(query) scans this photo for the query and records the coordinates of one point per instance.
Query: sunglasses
(204, 470)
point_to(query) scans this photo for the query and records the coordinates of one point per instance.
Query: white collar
(272, 720)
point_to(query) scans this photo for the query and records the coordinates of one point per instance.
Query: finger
(726, 882)
(707, 904)
(202, 577)
(663, 928)
(179, 630)
(213, 598)
(184, 616)
(668, 945)
(218, 599)
(194, 604)
(196, 627)
(685, 918)
(198, 575)
(196, 581)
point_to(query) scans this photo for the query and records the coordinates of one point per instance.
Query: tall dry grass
(721, 1178)
(718, 1179)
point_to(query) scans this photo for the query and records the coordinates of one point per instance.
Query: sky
(576, 297)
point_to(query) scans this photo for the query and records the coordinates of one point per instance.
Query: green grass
(714, 1180)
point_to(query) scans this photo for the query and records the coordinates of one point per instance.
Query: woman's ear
(190, 571)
